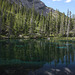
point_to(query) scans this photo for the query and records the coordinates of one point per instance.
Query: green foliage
(17, 19)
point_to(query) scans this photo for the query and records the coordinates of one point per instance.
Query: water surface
(37, 54)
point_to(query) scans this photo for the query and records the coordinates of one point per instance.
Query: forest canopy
(19, 21)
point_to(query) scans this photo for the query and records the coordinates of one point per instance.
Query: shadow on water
(37, 57)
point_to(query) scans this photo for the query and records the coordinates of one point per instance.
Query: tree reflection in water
(36, 53)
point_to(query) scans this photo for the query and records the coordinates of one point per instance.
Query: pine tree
(0, 20)
(48, 26)
(43, 26)
(32, 21)
(18, 20)
(3, 22)
(59, 21)
(56, 22)
(68, 28)
(62, 25)
(73, 24)
(37, 22)
(51, 21)
(67, 20)
(10, 23)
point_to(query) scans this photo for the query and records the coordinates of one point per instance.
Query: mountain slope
(16, 20)
(38, 5)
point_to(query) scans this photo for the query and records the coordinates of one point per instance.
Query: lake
(37, 57)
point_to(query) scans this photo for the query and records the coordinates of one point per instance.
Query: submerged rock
(9, 72)
(48, 38)
(61, 47)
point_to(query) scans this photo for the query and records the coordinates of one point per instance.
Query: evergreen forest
(17, 21)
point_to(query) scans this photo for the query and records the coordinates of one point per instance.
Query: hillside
(38, 5)
(24, 18)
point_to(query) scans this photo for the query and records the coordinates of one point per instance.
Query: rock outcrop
(38, 5)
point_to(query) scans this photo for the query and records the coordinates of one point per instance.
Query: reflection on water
(36, 53)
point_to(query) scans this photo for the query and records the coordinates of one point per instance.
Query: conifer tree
(68, 28)
(0, 20)
(73, 16)
(32, 21)
(37, 22)
(62, 25)
(59, 21)
(17, 20)
(56, 23)
(51, 21)
(3, 22)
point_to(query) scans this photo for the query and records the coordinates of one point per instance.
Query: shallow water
(36, 54)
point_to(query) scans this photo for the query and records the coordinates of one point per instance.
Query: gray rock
(38, 5)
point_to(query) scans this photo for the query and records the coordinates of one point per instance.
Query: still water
(36, 54)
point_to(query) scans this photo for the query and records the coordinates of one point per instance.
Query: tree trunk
(69, 25)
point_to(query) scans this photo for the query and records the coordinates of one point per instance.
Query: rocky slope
(39, 5)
